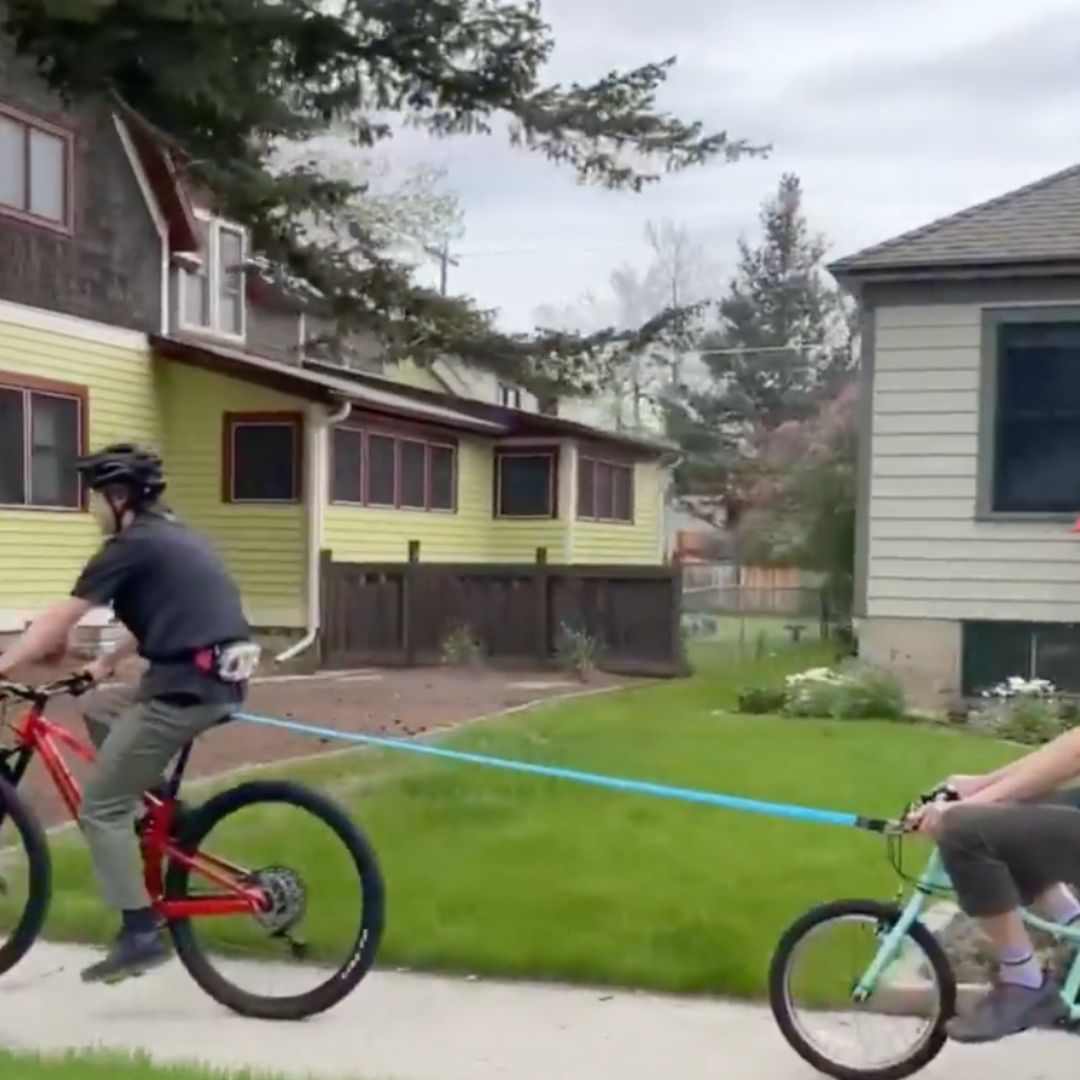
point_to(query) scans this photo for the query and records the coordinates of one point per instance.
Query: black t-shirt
(172, 591)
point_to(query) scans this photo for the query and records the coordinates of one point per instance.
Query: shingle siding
(109, 270)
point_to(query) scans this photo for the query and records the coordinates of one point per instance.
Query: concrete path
(411, 1027)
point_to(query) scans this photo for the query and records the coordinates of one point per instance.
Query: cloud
(891, 114)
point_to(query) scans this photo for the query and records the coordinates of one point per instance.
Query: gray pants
(135, 741)
(1002, 857)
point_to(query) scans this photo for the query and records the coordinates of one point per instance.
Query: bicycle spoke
(313, 936)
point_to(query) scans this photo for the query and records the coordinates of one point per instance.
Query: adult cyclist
(182, 613)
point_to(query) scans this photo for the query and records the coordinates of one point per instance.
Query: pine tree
(225, 82)
(783, 343)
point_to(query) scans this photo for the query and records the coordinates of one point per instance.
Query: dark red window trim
(230, 422)
(30, 123)
(615, 467)
(31, 384)
(399, 434)
(550, 452)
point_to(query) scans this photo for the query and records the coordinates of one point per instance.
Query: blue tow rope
(612, 783)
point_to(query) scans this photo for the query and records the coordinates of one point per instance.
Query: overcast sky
(892, 114)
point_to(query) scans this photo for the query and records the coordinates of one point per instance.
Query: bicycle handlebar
(73, 685)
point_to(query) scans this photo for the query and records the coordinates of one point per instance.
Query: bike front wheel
(25, 877)
(897, 1030)
(320, 933)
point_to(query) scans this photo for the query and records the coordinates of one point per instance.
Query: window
(995, 651)
(35, 170)
(41, 435)
(605, 490)
(525, 483)
(391, 469)
(262, 457)
(212, 297)
(508, 395)
(1033, 435)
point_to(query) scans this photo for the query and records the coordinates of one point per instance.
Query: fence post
(543, 600)
(408, 594)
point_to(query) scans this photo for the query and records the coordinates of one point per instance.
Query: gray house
(968, 571)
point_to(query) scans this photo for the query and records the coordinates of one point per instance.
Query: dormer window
(211, 296)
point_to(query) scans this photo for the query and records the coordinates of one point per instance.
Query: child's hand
(966, 786)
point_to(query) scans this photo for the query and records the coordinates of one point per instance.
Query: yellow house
(279, 463)
(129, 311)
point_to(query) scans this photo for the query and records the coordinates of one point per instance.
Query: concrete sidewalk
(412, 1027)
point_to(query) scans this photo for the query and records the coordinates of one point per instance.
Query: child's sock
(1023, 969)
(1060, 905)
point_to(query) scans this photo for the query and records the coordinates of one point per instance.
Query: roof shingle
(1036, 223)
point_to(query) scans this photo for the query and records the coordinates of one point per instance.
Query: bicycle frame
(933, 881)
(36, 735)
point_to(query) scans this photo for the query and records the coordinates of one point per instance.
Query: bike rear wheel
(325, 884)
(25, 877)
(819, 961)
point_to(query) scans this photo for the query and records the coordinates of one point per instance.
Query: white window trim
(216, 225)
(509, 396)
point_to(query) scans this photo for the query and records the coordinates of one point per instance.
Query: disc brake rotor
(286, 896)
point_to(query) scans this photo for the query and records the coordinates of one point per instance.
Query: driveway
(413, 1027)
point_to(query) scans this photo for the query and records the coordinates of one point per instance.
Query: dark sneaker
(132, 954)
(1008, 1010)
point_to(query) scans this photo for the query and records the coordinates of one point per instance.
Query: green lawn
(104, 1067)
(497, 873)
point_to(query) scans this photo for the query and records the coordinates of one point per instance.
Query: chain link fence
(752, 614)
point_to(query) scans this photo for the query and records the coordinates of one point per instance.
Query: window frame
(614, 464)
(31, 122)
(230, 422)
(399, 434)
(30, 386)
(529, 451)
(213, 272)
(508, 395)
(993, 320)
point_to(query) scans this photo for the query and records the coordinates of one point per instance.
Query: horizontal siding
(42, 552)
(928, 555)
(364, 534)
(625, 544)
(512, 541)
(264, 546)
(412, 374)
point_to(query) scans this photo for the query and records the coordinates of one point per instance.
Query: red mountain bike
(231, 919)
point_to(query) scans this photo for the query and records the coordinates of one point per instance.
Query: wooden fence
(401, 613)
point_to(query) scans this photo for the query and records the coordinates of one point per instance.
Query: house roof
(1038, 224)
(157, 163)
(516, 422)
(316, 386)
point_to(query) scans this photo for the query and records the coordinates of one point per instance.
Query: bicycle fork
(933, 881)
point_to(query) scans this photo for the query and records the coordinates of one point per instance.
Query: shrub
(860, 693)
(761, 700)
(461, 647)
(1028, 711)
(577, 649)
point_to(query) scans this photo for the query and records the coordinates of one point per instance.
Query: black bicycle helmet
(127, 464)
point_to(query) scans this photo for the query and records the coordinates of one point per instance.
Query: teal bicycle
(862, 990)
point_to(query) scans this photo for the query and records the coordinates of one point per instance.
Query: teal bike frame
(934, 881)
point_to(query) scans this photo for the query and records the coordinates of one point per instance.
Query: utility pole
(445, 260)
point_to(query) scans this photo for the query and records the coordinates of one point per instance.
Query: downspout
(316, 440)
(670, 462)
